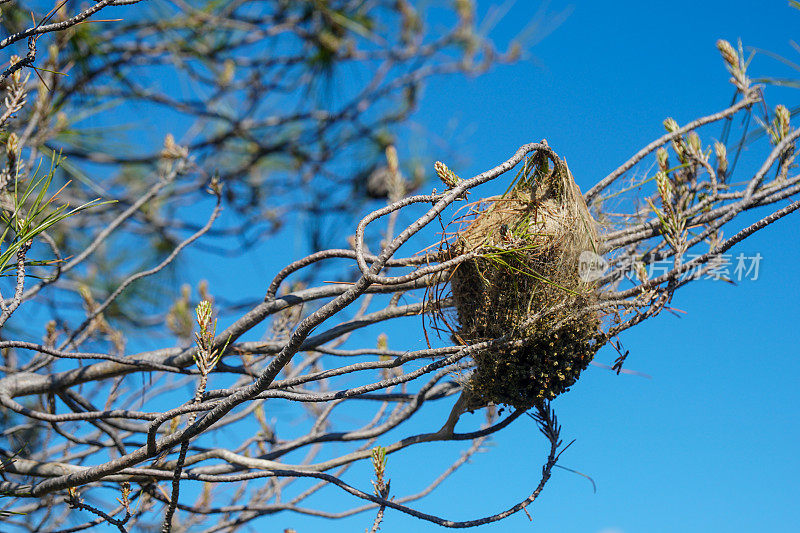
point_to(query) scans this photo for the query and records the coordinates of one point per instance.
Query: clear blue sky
(710, 443)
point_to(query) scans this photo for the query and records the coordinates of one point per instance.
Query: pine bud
(663, 159)
(728, 53)
(447, 176)
(670, 125)
(722, 157)
(12, 146)
(694, 143)
(664, 190)
(782, 116)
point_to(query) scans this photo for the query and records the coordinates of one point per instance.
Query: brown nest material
(524, 284)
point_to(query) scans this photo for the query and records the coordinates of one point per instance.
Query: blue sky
(710, 442)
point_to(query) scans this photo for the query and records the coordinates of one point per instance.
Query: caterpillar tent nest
(523, 283)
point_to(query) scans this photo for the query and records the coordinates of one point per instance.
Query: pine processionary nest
(524, 283)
